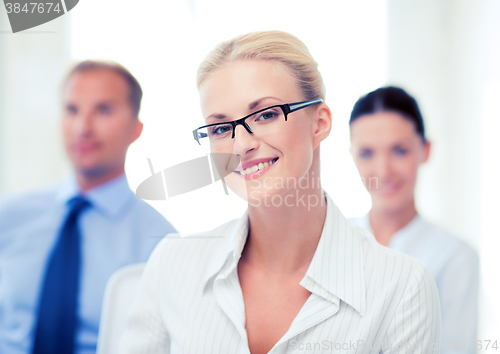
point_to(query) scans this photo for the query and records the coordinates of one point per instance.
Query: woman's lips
(388, 188)
(256, 170)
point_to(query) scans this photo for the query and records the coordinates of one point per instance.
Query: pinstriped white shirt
(365, 298)
(454, 265)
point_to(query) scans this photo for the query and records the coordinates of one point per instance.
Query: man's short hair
(135, 90)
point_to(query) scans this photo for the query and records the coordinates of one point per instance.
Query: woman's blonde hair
(279, 46)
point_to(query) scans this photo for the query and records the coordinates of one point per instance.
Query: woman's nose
(383, 167)
(244, 142)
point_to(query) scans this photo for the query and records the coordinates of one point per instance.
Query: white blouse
(365, 298)
(455, 268)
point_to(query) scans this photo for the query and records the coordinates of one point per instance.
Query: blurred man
(59, 246)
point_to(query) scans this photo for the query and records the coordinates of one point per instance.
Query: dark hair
(393, 99)
(134, 88)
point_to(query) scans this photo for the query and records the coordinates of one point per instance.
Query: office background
(445, 53)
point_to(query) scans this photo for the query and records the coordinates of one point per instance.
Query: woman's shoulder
(390, 275)
(448, 256)
(394, 269)
(378, 258)
(194, 250)
(215, 237)
(447, 244)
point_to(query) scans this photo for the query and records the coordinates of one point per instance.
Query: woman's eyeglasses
(264, 119)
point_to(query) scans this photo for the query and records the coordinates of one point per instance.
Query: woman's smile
(255, 168)
(389, 188)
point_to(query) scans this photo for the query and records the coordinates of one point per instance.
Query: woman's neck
(283, 236)
(385, 223)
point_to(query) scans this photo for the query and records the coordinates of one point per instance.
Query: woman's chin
(237, 185)
(271, 190)
(250, 190)
(389, 205)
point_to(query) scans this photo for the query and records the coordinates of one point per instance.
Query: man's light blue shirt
(118, 229)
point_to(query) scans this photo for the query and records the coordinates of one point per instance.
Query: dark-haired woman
(388, 144)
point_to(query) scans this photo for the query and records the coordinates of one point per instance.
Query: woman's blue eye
(266, 116)
(220, 129)
(366, 154)
(400, 151)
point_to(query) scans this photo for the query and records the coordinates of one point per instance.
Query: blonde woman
(290, 275)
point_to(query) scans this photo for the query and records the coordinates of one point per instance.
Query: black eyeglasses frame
(287, 108)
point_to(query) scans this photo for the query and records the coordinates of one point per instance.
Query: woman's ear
(322, 124)
(427, 150)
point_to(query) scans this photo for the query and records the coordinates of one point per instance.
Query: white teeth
(255, 168)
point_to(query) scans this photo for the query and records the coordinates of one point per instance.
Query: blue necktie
(57, 320)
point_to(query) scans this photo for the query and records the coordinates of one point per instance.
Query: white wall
(490, 188)
(31, 66)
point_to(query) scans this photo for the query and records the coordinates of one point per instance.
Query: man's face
(98, 122)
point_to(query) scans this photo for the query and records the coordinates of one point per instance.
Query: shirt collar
(412, 230)
(110, 198)
(336, 270)
(232, 248)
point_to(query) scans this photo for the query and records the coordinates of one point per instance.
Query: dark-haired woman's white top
(365, 298)
(455, 268)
